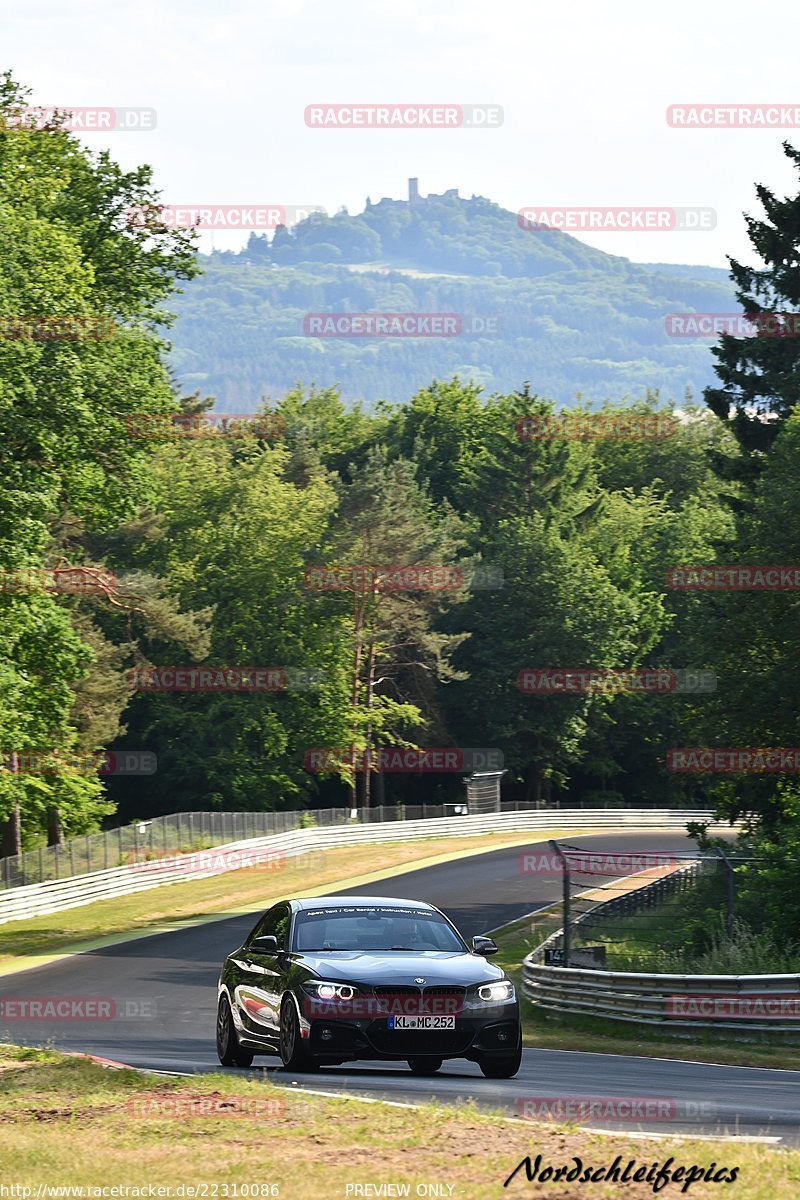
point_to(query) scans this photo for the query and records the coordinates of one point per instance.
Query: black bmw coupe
(336, 978)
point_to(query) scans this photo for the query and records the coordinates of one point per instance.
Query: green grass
(67, 1122)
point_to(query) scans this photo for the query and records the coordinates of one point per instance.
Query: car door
(259, 992)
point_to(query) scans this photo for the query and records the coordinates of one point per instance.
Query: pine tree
(760, 374)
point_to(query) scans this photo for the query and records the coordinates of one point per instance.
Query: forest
(348, 580)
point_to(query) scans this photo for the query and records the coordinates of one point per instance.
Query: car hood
(375, 967)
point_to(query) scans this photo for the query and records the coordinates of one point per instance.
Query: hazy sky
(584, 87)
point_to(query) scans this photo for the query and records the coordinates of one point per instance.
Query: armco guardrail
(720, 1002)
(57, 895)
(671, 1001)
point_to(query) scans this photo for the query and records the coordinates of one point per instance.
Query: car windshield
(364, 928)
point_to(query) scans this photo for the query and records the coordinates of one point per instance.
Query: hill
(532, 305)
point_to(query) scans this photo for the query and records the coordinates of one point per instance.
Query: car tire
(501, 1066)
(229, 1052)
(294, 1055)
(424, 1066)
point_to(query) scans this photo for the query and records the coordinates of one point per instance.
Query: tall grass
(744, 951)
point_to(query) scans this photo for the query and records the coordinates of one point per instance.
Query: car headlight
(493, 993)
(321, 989)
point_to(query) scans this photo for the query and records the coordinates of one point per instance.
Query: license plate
(421, 1022)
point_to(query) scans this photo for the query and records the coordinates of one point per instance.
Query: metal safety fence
(161, 865)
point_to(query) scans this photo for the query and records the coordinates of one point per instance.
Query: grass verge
(69, 1123)
(551, 1031)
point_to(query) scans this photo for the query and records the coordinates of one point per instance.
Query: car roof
(358, 902)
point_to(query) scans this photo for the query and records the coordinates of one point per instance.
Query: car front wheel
(294, 1055)
(501, 1066)
(229, 1052)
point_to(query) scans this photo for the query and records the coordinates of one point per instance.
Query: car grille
(435, 999)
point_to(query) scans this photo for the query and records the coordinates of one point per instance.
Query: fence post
(730, 891)
(566, 900)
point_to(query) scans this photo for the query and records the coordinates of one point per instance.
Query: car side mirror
(484, 946)
(268, 944)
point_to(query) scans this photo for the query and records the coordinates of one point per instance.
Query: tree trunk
(369, 700)
(533, 784)
(11, 840)
(55, 829)
(355, 693)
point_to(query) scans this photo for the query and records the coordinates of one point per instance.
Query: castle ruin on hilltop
(415, 198)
